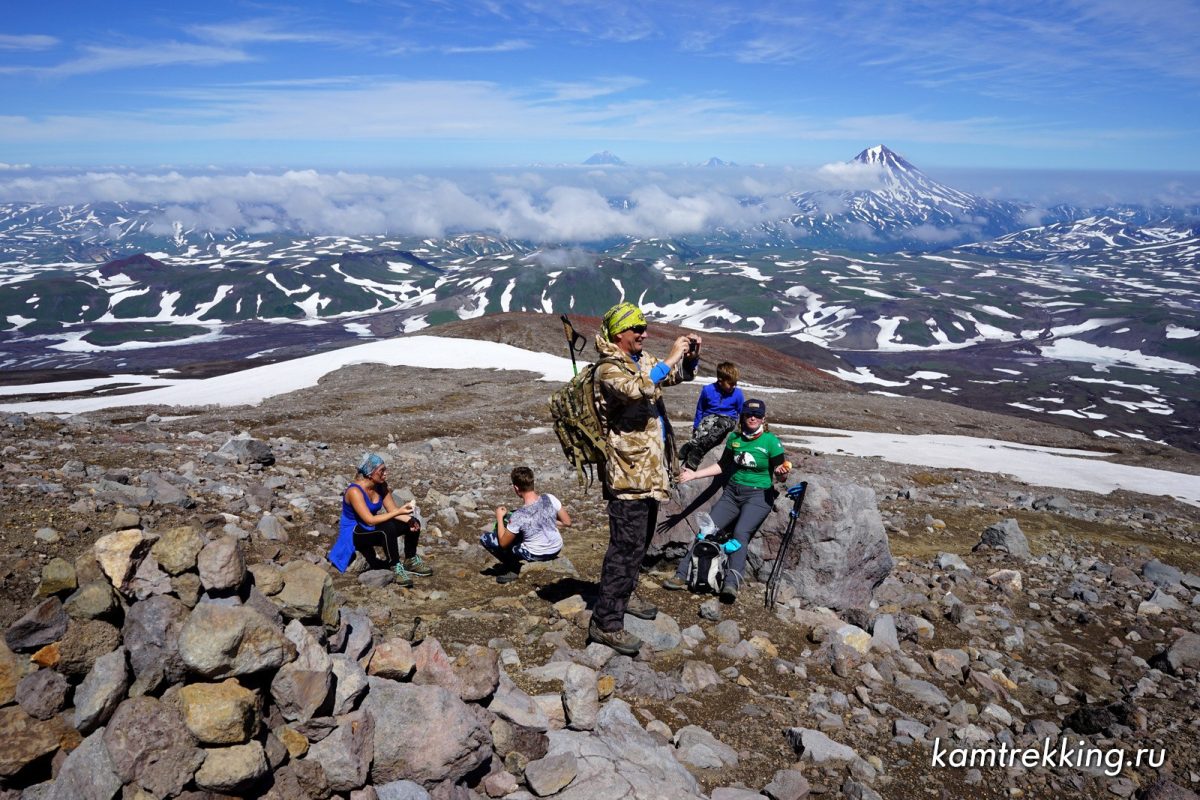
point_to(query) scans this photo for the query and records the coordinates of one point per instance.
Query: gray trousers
(745, 509)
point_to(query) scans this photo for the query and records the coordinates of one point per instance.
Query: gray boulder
(232, 769)
(350, 683)
(818, 748)
(44, 623)
(1160, 574)
(514, 705)
(307, 594)
(151, 635)
(580, 698)
(621, 759)
(1184, 653)
(345, 754)
(42, 694)
(87, 773)
(1006, 535)
(839, 550)
(408, 747)
(302, 688)
(699, 748)
(222, 564)
(92, 600)
(660, 634)
(552, 774)
(401, 790)
(149, 744)
(219, 642)
(271, 529)
(248, 450)
(103, 688)
(788, 784)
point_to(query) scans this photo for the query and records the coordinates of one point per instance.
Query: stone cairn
(162, 666)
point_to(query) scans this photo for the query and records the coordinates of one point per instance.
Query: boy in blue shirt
(717, 413)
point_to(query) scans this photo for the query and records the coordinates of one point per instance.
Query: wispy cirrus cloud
(384, 109)
(507, 46)
(1008, 48)
(31, 41)
(269, 30)
(135, 56)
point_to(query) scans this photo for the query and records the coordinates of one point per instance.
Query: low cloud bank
(575, 207)
(548, 204)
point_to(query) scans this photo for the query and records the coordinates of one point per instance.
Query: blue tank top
(342, 552)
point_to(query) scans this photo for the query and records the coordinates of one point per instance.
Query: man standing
(640, 461)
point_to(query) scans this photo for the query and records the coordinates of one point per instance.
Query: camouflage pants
(711, 431)
(630, 526)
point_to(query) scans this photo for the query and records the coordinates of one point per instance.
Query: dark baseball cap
(754, 408)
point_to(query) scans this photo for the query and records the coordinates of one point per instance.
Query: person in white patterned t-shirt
(527, 533)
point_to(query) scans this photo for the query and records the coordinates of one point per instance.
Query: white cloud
(852, 175)
(507, 46)
(156, 54)
(559, 205)
(31, 41)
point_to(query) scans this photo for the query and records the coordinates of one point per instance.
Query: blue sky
(383, 84)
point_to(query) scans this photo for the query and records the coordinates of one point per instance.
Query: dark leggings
(388, 534)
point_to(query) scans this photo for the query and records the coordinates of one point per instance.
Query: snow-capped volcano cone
(880, 154)
(904, 207)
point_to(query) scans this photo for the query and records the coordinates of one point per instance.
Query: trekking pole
(573, 338)
(796, 493)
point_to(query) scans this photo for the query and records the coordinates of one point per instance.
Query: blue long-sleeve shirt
(713, 402)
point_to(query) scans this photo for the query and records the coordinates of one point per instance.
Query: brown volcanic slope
(821, 400)
(543, 333)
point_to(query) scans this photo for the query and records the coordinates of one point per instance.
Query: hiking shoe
(674, 583)
(622, 641)
(507, 577)
(417, 566)
(729, 593)
(642, 609)
(402, 576)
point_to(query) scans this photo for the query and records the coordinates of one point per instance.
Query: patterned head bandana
(621, 318)
(370, 463)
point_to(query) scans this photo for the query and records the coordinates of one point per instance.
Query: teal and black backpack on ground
(706, 565)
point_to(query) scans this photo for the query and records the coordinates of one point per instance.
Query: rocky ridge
(1009, 616)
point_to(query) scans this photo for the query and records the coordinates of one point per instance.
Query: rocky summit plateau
(173, 630)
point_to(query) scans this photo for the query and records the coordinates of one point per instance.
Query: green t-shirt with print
(752, 458)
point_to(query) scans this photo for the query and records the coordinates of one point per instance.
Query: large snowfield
(1038, 466)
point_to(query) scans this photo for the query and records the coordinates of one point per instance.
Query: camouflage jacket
(639, 465)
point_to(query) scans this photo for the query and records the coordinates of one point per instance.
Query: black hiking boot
(642, 609)
(622, 641)
(729, 593)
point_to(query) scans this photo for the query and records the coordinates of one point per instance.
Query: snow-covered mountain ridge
(1091, 322)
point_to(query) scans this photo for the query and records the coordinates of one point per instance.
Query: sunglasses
(638, 329)
(756, 416)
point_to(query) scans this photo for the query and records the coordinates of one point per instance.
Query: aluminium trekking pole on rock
(573, 338)
(796, 493)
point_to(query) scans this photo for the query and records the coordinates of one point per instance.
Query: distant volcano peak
(880, 154)
(605, 157)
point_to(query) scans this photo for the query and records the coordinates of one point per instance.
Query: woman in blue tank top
(370, 517)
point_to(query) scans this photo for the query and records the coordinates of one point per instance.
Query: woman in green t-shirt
(752, 457)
